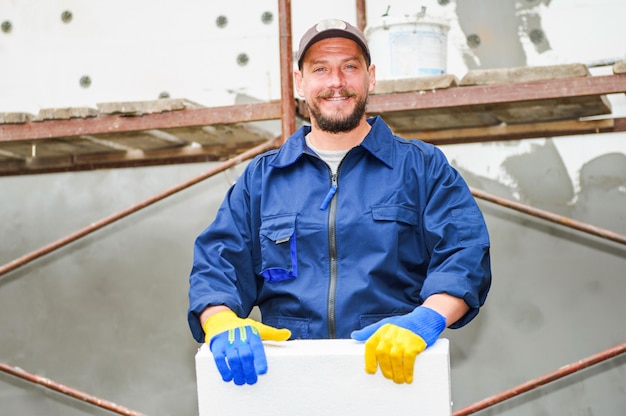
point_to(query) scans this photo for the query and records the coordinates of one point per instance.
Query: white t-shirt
(332, 157)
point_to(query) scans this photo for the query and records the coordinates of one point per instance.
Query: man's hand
(237, 345)
(393, 343)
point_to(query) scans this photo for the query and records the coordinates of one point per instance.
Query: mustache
(342, 93)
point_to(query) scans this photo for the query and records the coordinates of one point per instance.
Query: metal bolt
(66, 16)
(85, 81)
(473, 40)
(242, 59)
(7, 26)
(267, 18)
(221, 21)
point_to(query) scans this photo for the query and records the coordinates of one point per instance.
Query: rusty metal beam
(193, 154)
(118, 123)
(549, 216)
(68, 391)
(361, 14)
(83, 162)
(497, 94)
(545, 379)
(288, 105)
(21, 261)
(506, 132)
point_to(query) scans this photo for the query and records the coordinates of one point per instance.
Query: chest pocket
(279, 259)
(398, 213)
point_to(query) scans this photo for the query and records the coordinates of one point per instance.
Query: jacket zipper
(332, 251)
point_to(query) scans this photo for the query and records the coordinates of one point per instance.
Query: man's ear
(297, 78)
(372, 72)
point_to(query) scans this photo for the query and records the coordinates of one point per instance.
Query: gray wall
(106, 314)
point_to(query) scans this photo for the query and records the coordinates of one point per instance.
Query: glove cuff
(427, 323)
(220, 322)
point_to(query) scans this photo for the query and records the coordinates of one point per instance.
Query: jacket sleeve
(222, 271)
(457, 238)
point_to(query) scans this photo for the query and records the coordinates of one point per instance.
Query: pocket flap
(278, 229)
(395, 213)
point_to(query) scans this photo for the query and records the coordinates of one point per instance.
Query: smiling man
(345, 231)
(335, 83)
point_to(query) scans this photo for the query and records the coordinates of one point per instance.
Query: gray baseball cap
(332, 28)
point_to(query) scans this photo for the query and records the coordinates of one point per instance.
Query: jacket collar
(377, 142)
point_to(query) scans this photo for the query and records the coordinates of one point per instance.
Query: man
(345, 231)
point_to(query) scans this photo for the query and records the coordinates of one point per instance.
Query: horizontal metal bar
(120, 123)
(477, 95)
(519, 131)
(75, 163)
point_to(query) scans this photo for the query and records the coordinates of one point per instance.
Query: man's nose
(336, 79)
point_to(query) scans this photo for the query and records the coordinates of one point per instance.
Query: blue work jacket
(323, 254)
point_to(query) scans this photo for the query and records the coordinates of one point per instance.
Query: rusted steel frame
(497, 94)
(549, 216)
(68, 391)
(116, 123)
(134, 208)
(361, 14)
(287, 102)
(545, 379)
(547, 129)
(82, 162)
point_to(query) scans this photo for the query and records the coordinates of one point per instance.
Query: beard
(339, 123)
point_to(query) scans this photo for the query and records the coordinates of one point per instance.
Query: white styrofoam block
(326, 377)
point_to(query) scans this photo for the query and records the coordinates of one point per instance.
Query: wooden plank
(523, 74)
(139, 108)
(443, 119)
(552, 110)
(185, 154)
(15, 118)
(518, 132)
(434, 82)
(65, 113)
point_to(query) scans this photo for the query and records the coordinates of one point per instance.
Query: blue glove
(239, 355)
(393, 343)
(237, 345)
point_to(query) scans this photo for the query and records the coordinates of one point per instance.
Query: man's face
(335, 82)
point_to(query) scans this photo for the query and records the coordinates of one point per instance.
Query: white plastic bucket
(408, 46)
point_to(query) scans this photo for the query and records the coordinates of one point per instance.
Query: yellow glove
(236, 345)
(225, 320)
(393, 343)
(393, 348)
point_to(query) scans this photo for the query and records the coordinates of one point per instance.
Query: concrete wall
(106, 314)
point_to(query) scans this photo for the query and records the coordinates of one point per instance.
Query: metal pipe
(361, 14)
(545, 379)
(68, 391)
(134, 208)
(287, 102)
(119, 123)
(549, 216)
